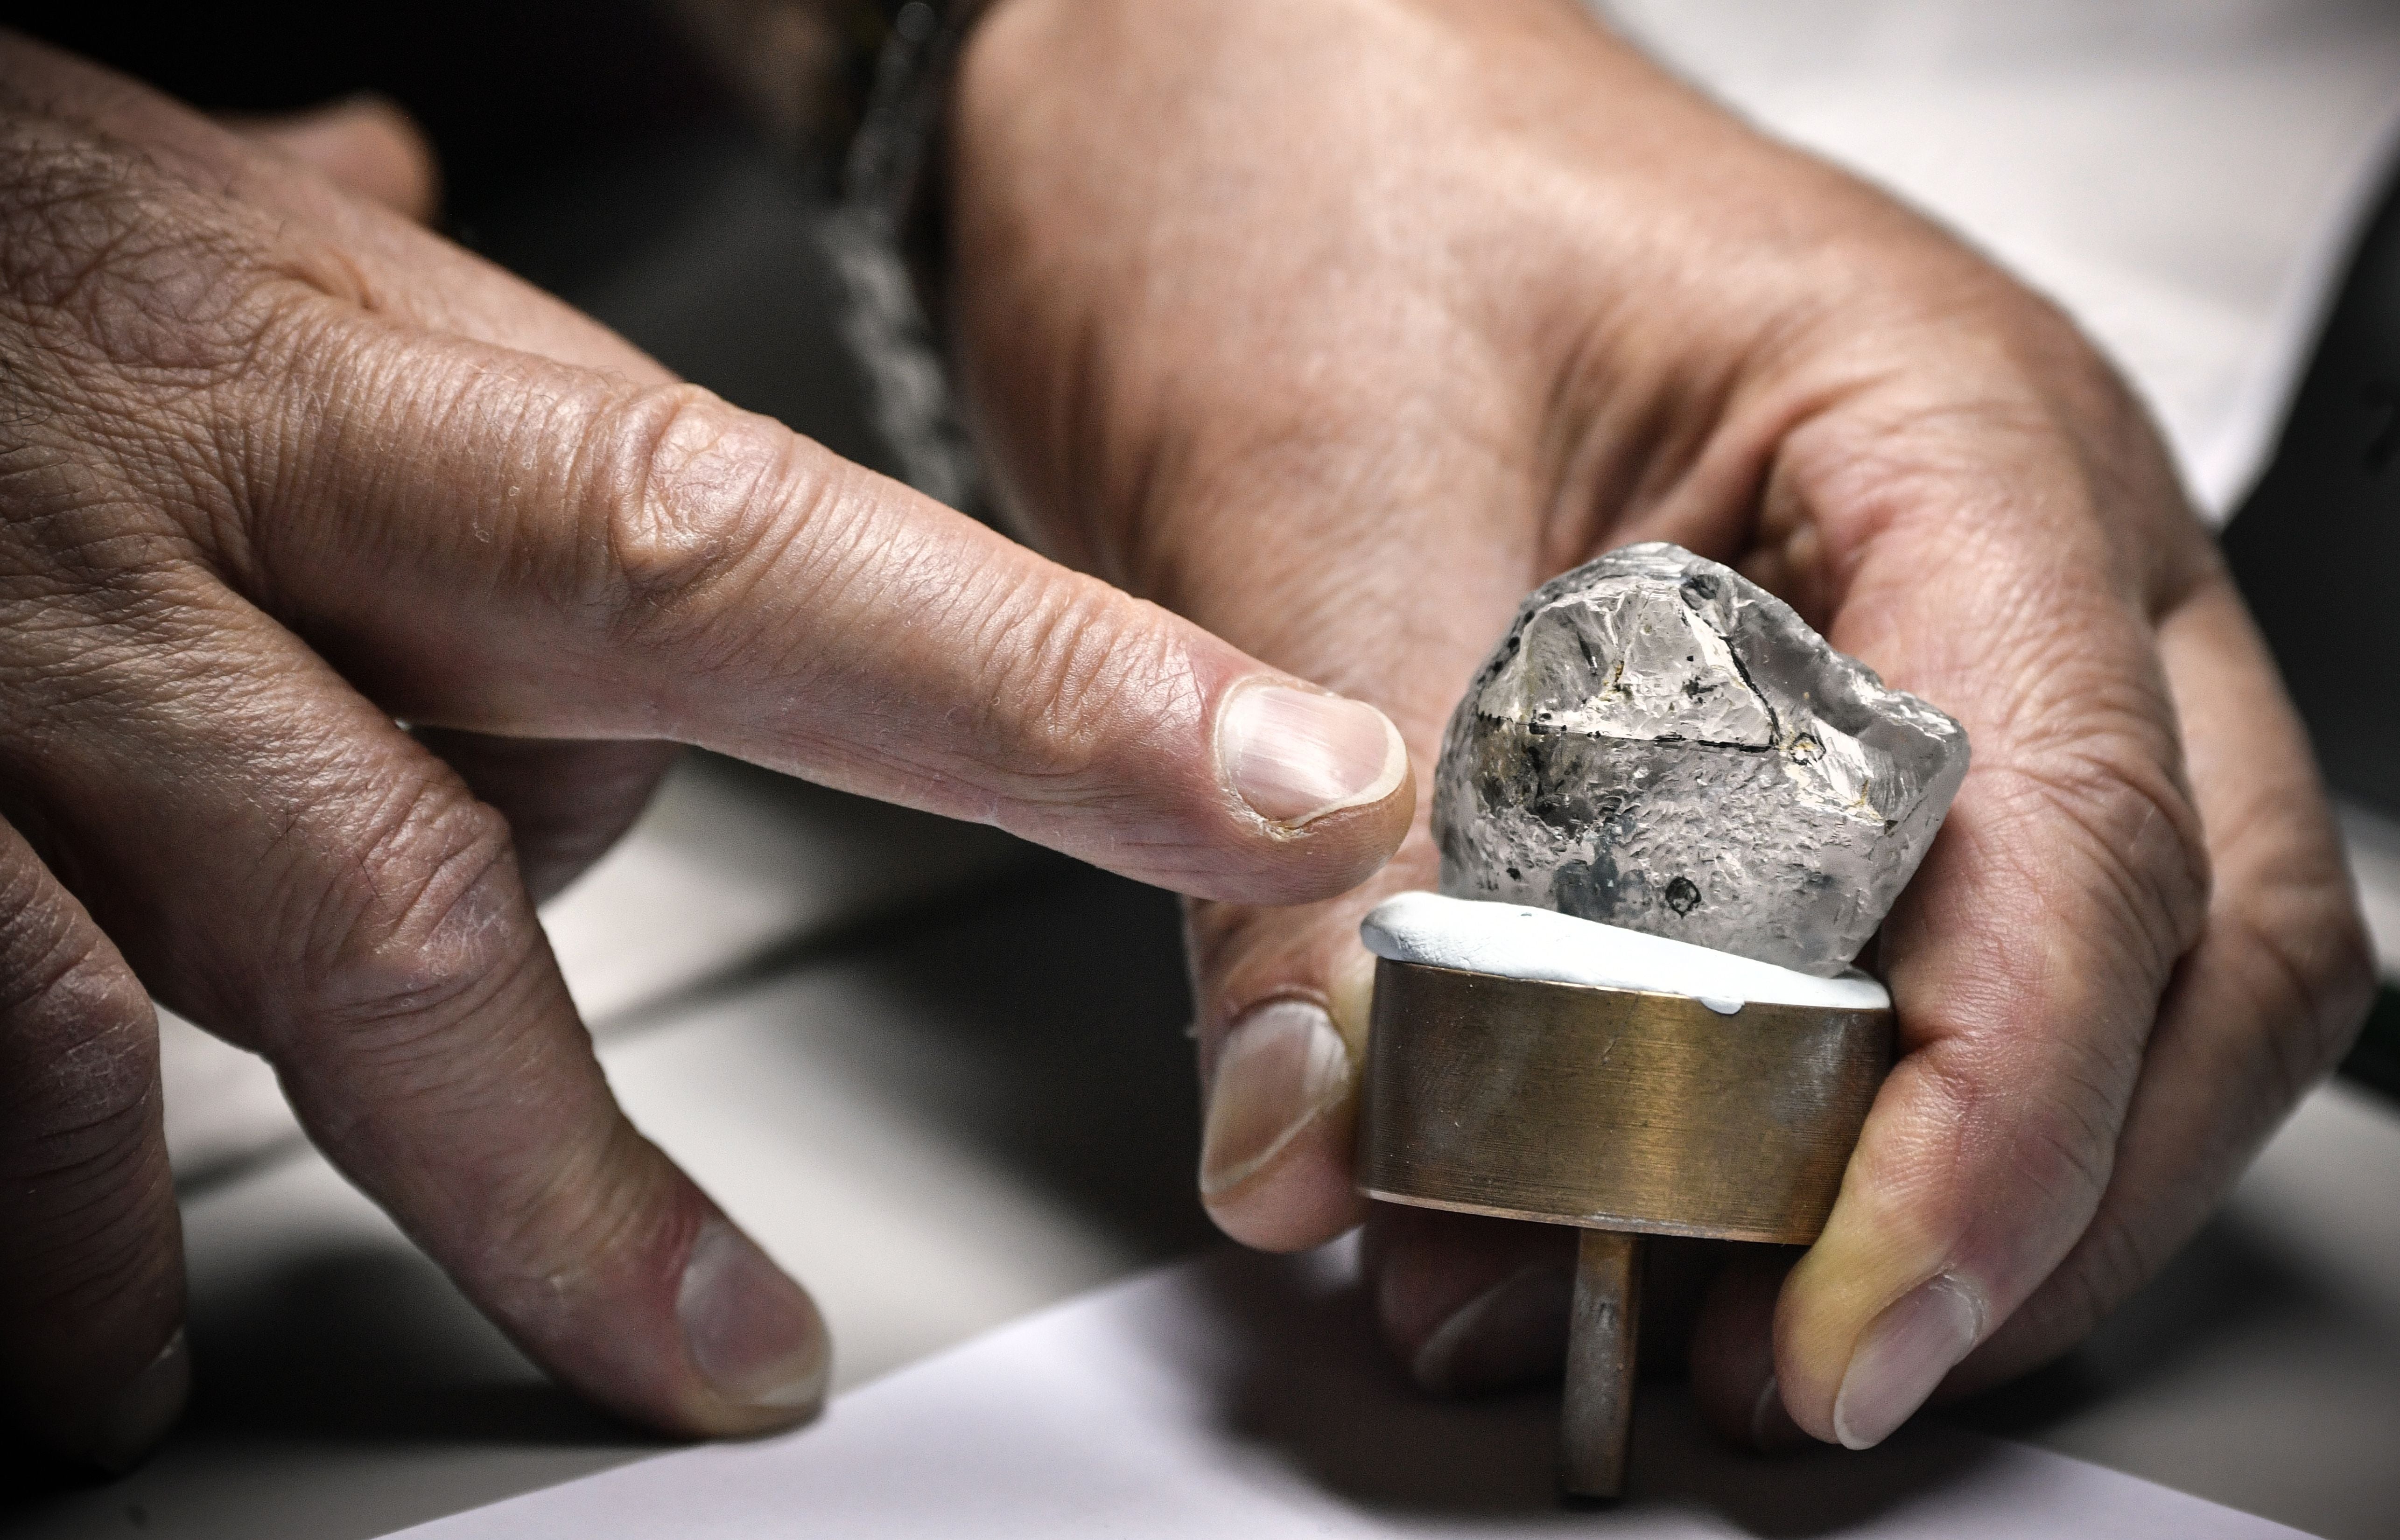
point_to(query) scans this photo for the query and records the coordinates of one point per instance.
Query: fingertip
(755, 1338)
(1350, 992)
(141, 1414)
(1733, 1355)
(1304, 1202)
(1302, 1198)
(1276, 1148)
(1297, 755)
(1468, 1304)
(1870, 1324)
(1904, 1356)
(1326, 778)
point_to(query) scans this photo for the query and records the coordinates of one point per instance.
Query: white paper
(1242, 1395)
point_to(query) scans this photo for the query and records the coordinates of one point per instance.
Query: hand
(1337, 327)
(279, 467)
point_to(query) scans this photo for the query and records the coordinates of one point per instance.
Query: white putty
(1517, 942)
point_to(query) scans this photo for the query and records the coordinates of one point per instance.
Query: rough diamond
(1662, 745)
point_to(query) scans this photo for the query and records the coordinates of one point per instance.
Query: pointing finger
(495, 542)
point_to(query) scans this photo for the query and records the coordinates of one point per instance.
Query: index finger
(490, 540)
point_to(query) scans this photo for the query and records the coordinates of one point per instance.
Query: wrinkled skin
(1337, 327)
(277, 468)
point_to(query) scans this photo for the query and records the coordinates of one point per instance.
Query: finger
(2257, 1014)
(1044, 701)
(1271, 550)
(366, 146)
(1733, 1353)
(492, 542)
(1470, 1304)
(1283, 997)
(93, 1364)
(2027, 959)
(566, 802)
(323, 890)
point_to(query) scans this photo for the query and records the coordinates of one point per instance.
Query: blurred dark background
(2317, 551)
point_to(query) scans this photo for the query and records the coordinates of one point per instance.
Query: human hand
(1338, 327)
(279, 467)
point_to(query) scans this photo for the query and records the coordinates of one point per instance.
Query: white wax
(1516, 942)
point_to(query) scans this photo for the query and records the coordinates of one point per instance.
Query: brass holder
(1623, 1114)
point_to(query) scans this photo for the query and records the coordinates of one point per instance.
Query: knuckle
(606, 1194)
(54, 963)
(2069, 1145)
(1077, 683)
(2049, 1123)
(417, 921)
(683, 490)
(2003, 345)
(2115, 1258)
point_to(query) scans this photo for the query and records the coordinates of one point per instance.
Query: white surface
(1517, 942)
(2182, 176)
(2262, 1369)
(224, 1107)
(1242, 1395)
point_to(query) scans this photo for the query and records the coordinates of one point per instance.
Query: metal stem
(1596, 1432)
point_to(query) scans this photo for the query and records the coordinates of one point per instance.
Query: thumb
(1282, 1008)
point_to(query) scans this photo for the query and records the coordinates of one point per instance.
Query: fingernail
(145, 1411)
(754, 1334)
(1772, 1431)
(1514, 1331)
(1901, 1357)
(1295, 757)
(1280, 1067)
